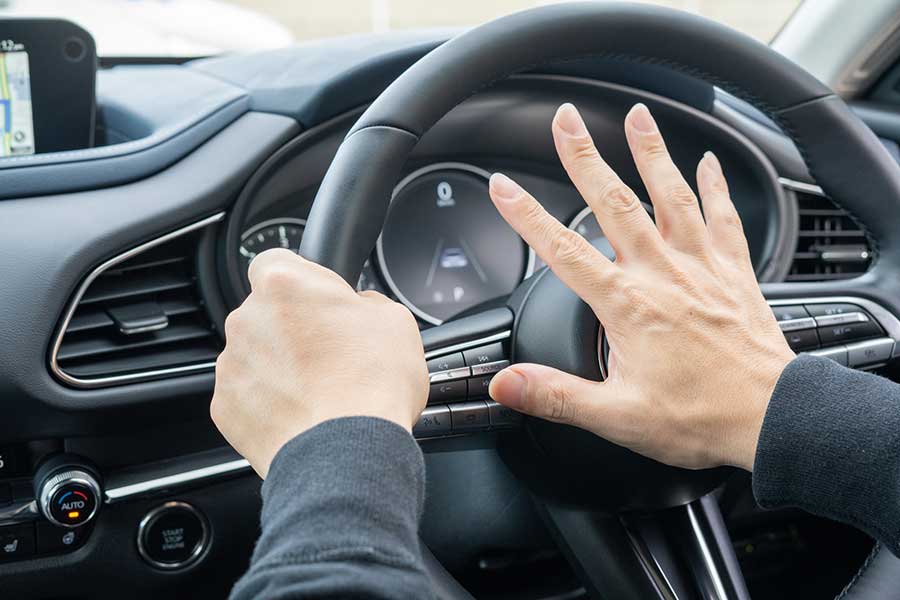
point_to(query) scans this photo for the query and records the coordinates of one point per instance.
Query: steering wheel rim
(842, 154)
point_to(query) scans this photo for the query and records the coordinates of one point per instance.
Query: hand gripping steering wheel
(632, 527)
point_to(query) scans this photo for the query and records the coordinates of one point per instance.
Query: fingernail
(504, 188)
(570, 121)
(641, 119)
(711, 161)
(508, 388)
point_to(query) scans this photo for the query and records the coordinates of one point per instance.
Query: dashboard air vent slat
(100, 347)
(830, 245)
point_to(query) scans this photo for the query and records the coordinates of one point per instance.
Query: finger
(722, 220)
(675, 206)
(557, 396)
(578, 264)
(621, 215)
(280, 270)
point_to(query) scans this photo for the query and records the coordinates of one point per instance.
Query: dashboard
(444, 250)
(113, 312)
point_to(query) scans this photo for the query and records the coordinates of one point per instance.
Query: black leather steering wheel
(631, 527)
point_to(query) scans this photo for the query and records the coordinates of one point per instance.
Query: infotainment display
(48, 70)
(16, 123)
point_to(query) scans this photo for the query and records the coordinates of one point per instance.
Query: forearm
(830, 444)
(341, 504)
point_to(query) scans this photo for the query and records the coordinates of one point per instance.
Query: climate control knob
(68, 493)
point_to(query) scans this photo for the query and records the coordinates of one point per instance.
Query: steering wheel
(632, 527)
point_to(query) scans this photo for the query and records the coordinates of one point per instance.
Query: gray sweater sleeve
(830, 444)
(341, 506)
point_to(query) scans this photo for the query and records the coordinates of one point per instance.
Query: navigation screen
(16, 125)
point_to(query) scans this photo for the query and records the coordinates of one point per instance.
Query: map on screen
(16, 124)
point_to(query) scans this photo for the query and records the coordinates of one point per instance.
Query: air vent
(830, 245)
(139, 316)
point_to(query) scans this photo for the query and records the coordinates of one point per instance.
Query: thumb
(551, 394)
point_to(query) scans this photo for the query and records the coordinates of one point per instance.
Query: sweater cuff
(347, 484)
(830, 444)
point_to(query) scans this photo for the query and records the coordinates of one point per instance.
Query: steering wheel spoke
(682, 552)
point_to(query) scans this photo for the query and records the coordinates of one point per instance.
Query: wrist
(745, 438)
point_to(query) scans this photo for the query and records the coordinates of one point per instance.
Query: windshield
(186, 28)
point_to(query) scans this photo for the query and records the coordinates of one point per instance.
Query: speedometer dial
(444, 247)
(287, 232)
(284, 232)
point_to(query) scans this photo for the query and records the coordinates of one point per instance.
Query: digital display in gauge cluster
(444, 247)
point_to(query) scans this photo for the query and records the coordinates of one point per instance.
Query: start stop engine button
(173, 536)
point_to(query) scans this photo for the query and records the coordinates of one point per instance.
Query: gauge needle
(481, 274)
(434, 262)
(282, 234)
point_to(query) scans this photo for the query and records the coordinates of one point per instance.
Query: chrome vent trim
(830, 246)
(98, 382)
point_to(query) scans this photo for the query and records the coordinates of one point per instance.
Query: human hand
(695, 351)
(304, 348)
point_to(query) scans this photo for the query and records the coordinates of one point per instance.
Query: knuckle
(234, 324)
(583, 153)
(617, 199)
(276, 277)
(654, 148)
(567, 246)
(558, 403)
(679, 194)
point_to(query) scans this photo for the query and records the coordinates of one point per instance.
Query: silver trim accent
(887, 344)
(884, 317)
(125, 492)
(18, 512)
(489, 368)
(379, 249)
(833, 352)
(707, 555)
(97, 382)
(196, 554)
(64, 478)
(797, 324)
(841, 319)
(450, 375)
(800, 186)
(470, 344)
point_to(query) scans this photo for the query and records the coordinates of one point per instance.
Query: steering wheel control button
(871, 352)
(837, 353)
(502, 416)
(797, 324)
(54, 540)
(70, 498)
(450, 375)
(790, 313)
(848, 332)
(841, 319)
(804, 339)
(821, 310)
(478, 386)
(173, 536)
(470, 416)
(16, 542)
(434, 421)
(489, 368)
(484, 354)
(445, 363)
(447, 391)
